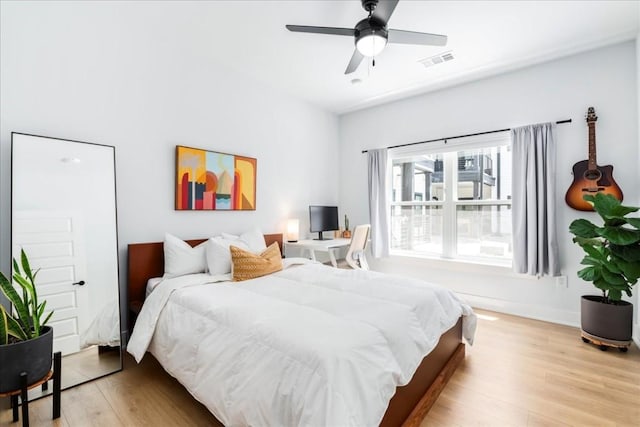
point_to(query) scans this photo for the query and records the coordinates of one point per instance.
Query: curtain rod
(459, 136)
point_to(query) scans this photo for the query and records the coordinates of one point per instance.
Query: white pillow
(180, 258)
(253, 238)
(218, 254)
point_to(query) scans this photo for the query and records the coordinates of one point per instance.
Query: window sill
(461, 264)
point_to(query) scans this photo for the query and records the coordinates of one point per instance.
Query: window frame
(450, 202)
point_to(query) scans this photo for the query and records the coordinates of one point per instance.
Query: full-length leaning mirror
(63, 214)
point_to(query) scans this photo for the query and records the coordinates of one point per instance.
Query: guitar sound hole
(593, 175)
(593, 190)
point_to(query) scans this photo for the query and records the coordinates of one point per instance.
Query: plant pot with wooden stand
(612, 259)
(26, 343)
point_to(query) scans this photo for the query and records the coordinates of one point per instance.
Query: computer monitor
(323, 218)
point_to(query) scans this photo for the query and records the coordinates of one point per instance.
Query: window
(453, 201)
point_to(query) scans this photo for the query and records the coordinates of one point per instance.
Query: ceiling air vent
(437, 59)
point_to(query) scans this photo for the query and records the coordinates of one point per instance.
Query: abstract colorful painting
(208, 180)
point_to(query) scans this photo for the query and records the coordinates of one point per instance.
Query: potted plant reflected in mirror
(612, 259)
(26, 343)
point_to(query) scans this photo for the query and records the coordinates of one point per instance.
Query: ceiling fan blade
(384, 9)
(322, 30)
(412, 37)
(356, 59)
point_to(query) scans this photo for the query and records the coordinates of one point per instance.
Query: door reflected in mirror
(64, 217)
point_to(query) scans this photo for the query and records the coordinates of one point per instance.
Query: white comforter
(104, 328)
(308, 346)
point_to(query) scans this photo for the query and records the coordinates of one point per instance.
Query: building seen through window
(453, 204)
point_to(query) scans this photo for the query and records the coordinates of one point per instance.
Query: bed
(403, 405)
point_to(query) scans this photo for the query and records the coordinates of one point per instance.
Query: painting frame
(208, 180)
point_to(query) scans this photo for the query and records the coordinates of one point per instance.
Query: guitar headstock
(591, 115)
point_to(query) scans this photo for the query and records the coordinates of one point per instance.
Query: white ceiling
(250, 39)
(486, 37)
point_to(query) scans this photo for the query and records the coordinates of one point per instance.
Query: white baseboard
(524, 310)
(636, 336)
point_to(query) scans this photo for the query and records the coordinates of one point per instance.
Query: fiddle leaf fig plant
(612, 249)
(27, 322)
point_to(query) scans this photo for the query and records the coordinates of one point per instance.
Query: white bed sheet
(310, 345)
(151, 285)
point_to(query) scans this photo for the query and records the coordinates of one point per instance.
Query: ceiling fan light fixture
(371, 44)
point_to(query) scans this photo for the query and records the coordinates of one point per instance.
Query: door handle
(80, 283)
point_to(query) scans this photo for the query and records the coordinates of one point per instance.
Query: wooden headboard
(146, 260)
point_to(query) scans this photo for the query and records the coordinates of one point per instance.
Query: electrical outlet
(561, 282)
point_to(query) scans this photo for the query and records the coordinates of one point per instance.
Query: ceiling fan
(371, 34)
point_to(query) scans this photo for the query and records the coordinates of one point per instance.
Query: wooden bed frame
(407, 407)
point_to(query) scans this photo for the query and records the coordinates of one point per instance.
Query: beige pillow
(247, 265)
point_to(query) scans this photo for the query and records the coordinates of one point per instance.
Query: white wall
(561, 89)
(112, 73)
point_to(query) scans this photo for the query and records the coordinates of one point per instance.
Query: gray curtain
(378, 208)
(535, 245)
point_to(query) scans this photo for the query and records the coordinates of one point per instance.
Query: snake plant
(27, 322)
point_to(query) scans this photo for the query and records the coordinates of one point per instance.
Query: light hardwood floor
(519, 372)
(523, 372)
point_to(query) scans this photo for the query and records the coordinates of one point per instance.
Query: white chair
(355, 257)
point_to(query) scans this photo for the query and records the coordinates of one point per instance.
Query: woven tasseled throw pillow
(247, 265)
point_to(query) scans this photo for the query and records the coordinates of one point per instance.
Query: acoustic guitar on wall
(588, 177)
